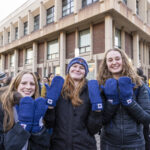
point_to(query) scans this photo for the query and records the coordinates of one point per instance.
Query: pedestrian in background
(124, 113)
(43, 91)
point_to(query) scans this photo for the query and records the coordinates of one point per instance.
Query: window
(36, 22)
(16, 33)
(1, 41)
(29, 56)
(57, 70)
(12, 74)
(137, 7)
(53, 50)
(117, 38)
(50, 15)
(12, 60)
(91, 74)
(85, 41)
(68, 7)
(88, 2)
(125, 1)
(8, 37)
(25, 28)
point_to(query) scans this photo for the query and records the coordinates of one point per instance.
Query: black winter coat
(123, 125)
(16, 138)
(74, 127)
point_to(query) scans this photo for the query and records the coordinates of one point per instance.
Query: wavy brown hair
(128, 69)
(71, 92)
(8, 101)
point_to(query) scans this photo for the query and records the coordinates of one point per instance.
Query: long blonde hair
(128, 69)
(8, 101)
(71, 92)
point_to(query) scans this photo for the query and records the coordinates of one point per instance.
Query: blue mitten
(126, 90)
(25, 112)
(40, 109)
(94, 95)
(53, 92)
(111, 91)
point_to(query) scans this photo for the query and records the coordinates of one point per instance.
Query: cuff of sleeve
(51, 102)
(97, 106)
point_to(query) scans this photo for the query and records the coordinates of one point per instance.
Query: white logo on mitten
(50, 101)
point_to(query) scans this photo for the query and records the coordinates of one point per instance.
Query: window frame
(67, 7)
(84, 47)
(12, 60)
(119, 38)
(16, 33)
(25, 27)
(50, 15)
(36, 22)
(50, 54)
(86, 3)
(28, 60)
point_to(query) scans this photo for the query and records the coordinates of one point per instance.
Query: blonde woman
(125, 112)
(21, 110)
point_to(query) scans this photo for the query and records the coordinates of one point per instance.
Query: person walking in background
(50, 77)
(39, 81)
(77, 113)
(124, 113)
(3, 77)
(21, 115)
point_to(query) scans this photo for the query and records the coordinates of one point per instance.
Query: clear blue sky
(8, 6)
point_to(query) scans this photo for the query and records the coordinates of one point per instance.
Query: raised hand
(94, 95)
(53, 92)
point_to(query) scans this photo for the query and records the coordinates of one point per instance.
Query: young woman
(124, 112)
(21, 114)
(75, 123)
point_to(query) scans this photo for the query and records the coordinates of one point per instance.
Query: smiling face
(26, 86)
(114, 63)
(77, 72)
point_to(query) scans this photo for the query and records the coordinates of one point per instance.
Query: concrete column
(147, 55)
(77, 5)
(9, 70)
(16, 62)
(108, 33)
(42, 15)
(20, 28)
(57, 10)
(30, 22)
(34, 65)
(5, 36)
(76, 43)
(24, 58)
(144, 53)
(91, 34)
(62, 53)
(2, 63)
(123, 39)
(132, 5)
(148, 16)
(143, 10)
(141, 52)
(136, 49)
(12, 33)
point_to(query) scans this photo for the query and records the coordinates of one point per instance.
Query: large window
(88, 2)
(50, 15)
(57, 70)
(36, 22)
(117, 38)
(84, 41)
(8, 37)
(16, 33)
(53, 50)
(29, 56)
(12, 60)
(67, 7)
(25, 28)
